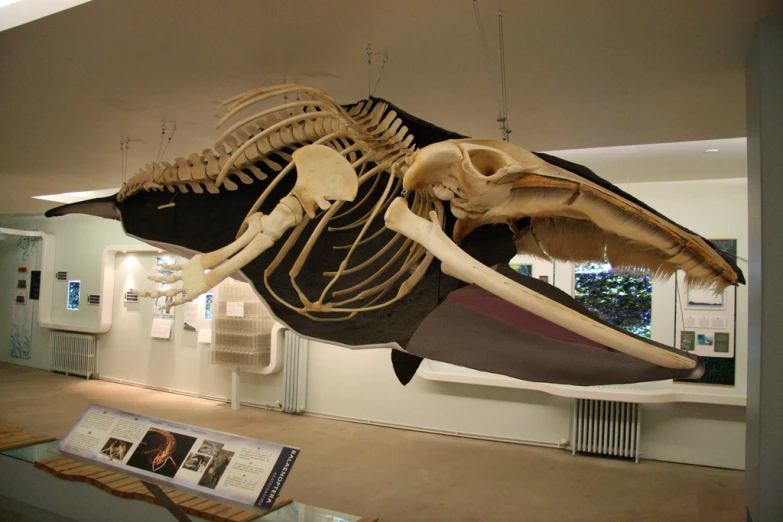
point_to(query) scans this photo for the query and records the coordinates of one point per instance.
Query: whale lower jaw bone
(458, 264)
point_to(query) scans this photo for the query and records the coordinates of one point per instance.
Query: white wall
(178, 364)
(361, 385)
(127, 353)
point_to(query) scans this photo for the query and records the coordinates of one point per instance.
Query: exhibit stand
(26, 484)
(245, 473)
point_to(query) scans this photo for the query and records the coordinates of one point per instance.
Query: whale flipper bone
(323, 175)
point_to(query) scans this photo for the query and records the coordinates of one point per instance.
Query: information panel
(209, 463)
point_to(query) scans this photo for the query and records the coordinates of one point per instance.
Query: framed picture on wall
(22, 269)
(722, 342)
(20, 300)
(705, 298)
(687, 340)
(208, 300)
(74, 295)
(524, 269)
(705, 324)
(21, 283)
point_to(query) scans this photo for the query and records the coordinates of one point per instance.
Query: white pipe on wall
(235, 389)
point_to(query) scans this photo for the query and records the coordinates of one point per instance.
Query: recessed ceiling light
(74, 197)
(124, 251)
(710, 151)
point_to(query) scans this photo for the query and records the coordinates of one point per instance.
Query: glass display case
(293, 512)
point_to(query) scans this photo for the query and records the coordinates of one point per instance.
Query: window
(622, 300)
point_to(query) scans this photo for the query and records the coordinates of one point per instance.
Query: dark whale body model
(439, 319)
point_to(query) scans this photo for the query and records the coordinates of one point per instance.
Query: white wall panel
(703, 434)
(9, 262)
(129, 353)
(362, 385)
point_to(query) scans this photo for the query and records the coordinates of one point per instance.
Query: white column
(764, 441)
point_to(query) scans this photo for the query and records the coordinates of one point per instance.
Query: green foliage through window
(623, 300)
(74, 294)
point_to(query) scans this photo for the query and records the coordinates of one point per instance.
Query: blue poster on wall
(74, 295)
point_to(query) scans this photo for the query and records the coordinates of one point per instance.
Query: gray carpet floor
(405, 476)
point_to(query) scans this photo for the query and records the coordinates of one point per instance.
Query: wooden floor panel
(11, 437)
(127, 487)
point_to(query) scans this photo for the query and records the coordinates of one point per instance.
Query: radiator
(295, 373)
(73, 353)
(606, 428)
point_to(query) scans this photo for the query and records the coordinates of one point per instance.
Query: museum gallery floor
(404, 476)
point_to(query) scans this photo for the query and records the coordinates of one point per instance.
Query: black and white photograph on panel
(210, 447)
(116, 449)
(216, 469)
(196, 462)
(687, 340)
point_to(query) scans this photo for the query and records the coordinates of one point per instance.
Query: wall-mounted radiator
(606, 428)
(295, 373)
(74, 353)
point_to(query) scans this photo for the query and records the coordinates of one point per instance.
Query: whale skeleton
(359, 171)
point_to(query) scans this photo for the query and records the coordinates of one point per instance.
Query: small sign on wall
(205, 335)
(191, 316)
(161, 328)
(35, 284)
(20, 300)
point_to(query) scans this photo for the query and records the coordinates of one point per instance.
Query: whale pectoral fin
(476, 329)
(405, 365)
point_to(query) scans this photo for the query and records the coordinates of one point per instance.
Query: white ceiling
(581, 74)
(665, 161)
(18, 12)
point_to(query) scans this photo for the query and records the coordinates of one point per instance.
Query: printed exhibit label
(213, 463)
